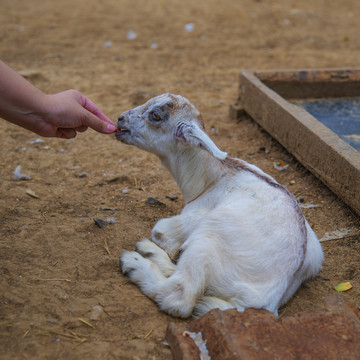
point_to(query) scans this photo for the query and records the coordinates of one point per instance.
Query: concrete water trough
(315, 115)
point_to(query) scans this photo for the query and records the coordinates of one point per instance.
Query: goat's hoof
(124, 265)
(144, 247)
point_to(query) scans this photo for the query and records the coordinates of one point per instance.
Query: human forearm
(20, 101)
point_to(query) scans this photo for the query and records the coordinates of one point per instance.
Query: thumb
(65, 133)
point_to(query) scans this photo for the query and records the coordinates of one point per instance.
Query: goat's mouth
(121, 132)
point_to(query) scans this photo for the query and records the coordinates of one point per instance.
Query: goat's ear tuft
(195, 136)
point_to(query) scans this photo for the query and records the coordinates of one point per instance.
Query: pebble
(61, 295)
(96, 312)
(172, 197)
(110, 220)
(154, 202)
(131, 35)
(36, 141)
(81, 174)
(189, 27)
(31, 193)
(286, 21)
(106, 208)
(100, 223)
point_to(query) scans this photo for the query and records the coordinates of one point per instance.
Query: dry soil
(62, 295)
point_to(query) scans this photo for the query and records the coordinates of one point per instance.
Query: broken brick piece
(257, 334)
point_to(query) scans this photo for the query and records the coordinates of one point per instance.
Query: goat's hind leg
(181, 291)
(151, 251)
(207, 303)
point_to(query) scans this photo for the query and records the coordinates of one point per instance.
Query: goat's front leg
(169, 234)
(151, 251)
(142, 272)
(170, 293)
(177, 294)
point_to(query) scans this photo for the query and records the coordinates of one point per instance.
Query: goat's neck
(195, 171)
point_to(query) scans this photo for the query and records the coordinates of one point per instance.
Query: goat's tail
(207, 303)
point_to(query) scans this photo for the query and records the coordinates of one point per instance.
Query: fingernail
(111, 128)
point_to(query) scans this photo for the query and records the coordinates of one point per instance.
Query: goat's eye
(153, 116)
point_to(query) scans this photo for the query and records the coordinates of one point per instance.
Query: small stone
(61, 295)
(131, 35)
(106, 208)
(287, 21)
(154, 202)
(31, 193)
(172, 197)
(118, 179)
(189, 27)
(36, 141)
(96, 312)
(81, 174)
(100, 223)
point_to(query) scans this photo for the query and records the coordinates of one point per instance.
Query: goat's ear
(195, 136)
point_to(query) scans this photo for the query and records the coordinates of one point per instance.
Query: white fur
(241, 237)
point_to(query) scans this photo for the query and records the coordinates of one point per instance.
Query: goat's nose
(121, 117)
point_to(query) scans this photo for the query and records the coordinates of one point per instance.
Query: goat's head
(164, 124)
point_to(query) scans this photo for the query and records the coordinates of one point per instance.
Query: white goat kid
(241, 240)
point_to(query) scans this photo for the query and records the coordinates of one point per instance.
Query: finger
(81, 128)
(98, 125)
(65, 133)
(90, 106)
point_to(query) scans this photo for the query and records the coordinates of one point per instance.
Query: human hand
(58, 115)
(69, 112)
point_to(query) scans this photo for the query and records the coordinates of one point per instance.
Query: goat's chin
(124, 138)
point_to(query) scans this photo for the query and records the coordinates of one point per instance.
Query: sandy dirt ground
(62, 295)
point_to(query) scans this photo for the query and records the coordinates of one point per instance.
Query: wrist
(33, 115)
